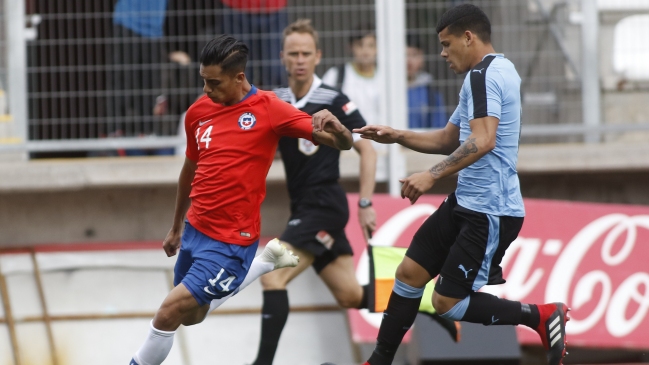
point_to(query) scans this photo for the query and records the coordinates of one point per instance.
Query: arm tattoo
(467, 148)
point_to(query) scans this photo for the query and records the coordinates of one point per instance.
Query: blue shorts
(211, 269)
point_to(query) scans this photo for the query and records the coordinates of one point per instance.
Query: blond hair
(301, 26)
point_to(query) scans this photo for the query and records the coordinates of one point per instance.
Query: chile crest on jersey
(247, 120)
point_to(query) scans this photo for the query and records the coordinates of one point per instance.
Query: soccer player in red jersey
(232, 134)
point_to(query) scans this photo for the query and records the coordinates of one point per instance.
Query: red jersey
(234, 147)
(256, 6)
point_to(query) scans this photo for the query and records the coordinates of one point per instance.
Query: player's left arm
(367, 183)
(484, 117)
(350, 116)
(324, 128)
(328, 130)
(480, 142)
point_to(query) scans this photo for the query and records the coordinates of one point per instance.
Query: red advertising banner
(591, 256)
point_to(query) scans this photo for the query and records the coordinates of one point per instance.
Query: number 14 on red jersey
(204, 138)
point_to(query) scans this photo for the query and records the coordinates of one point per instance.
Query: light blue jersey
(490, 185)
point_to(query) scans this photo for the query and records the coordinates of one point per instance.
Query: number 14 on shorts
(224, 284)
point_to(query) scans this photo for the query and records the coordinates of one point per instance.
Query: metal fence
(6, 124)
(105, 79)
(533, 35)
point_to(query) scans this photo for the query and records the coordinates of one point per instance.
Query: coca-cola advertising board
(591, 256)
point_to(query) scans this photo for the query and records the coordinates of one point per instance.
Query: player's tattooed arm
(465, 150)
(481, 141)
(417, 184)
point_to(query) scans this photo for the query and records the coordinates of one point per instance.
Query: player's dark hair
(466, 17)
(361, 31)
(225, 51)
(301, 26)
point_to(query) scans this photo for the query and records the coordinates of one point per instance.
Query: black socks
(397, 319)
(530, 315)
(274, 314)
(490, 310)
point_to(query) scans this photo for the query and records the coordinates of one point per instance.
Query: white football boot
(278, 254)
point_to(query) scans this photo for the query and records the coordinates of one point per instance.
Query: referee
(319, 210)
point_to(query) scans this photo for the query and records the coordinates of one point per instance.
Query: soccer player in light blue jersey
(463, 242)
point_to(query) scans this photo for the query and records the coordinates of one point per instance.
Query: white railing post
(391, 38)
(16, 60)
(590, 85)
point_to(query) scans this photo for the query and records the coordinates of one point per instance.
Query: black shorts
(317, 224)
(464, 247)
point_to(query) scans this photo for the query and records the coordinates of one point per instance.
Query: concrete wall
(603, 187)
(108, 214)
(113, 214)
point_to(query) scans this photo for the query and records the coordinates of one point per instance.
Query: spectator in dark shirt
(136, 52)
(426, 107)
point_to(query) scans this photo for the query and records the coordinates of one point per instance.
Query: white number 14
(225, 283)
(204, 138)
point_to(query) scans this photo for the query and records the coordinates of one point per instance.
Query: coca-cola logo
(601, 272)
(614, 301)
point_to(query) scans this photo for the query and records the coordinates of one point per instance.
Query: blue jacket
(426, 108)
(144, 17)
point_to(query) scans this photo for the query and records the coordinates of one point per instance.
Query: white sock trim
(161, 332)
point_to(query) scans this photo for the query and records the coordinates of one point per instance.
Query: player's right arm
(172, 241)
(440, 141)
(328, 130)
(323, 127)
